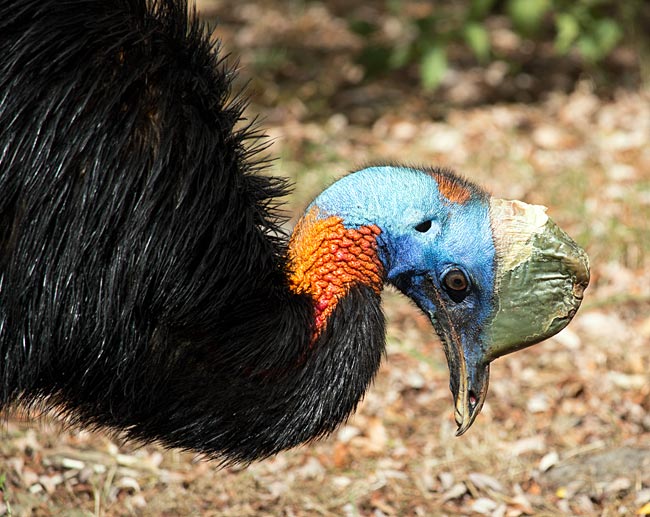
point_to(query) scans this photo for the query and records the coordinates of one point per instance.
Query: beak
(469, 372)
(468, 401)
(540, 278)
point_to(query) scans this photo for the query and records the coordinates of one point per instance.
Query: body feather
(142, 268)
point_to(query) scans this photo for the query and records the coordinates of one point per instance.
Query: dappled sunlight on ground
(566, 425)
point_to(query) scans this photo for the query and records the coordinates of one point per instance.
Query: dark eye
(423, 226)
(456, 284)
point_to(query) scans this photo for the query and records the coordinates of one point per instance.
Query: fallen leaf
(538, 403)
(128, 483)
(72, 464)
(642, 497)
(50, 483)
(548, 461)
(521, 503)
(620, 484)
(483, 481)
(446, 480)
(484, 506)
(456, 491)
(532, 444)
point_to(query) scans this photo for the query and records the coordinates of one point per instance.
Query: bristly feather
(143, 283)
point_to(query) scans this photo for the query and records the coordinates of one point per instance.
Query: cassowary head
(493, 276)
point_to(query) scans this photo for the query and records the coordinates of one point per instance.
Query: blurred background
(541, 100)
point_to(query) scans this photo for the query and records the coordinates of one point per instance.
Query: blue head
(463, 258)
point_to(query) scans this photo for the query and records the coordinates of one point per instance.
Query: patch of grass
(3, 493)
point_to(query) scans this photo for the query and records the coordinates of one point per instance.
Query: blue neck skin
(399, 199)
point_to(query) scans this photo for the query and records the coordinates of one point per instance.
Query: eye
(456, 284)
(423, 227)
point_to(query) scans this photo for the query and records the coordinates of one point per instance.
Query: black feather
(142, 266)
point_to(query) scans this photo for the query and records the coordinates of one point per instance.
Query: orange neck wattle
(326, 259)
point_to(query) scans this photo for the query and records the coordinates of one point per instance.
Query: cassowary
(145, 282)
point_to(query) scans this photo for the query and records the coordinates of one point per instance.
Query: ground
(566, 426)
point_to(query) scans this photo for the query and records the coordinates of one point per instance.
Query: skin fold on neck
(326, 259)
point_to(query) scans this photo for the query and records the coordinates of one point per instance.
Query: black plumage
(140, 245)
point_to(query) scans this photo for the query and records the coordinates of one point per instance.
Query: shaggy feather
(141, 260)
